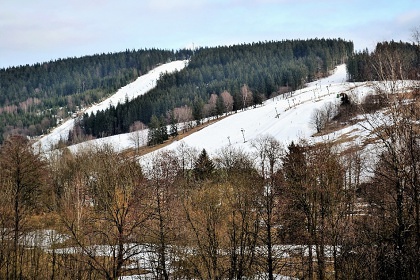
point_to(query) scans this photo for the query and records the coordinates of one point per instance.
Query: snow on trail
(139, 87)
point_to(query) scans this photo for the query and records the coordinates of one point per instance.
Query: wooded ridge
(34, 98)
(250, 73)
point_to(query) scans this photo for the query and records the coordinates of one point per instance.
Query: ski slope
(286, 119)
(139, 87)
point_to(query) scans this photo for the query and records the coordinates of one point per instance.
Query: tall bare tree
(162, 174)
(243, 189)
(138, 136)
(227, 101)
(205, 212)
(269, 153)
(246, 95)
(23, 175)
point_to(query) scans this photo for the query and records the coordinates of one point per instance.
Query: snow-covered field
(286, 119)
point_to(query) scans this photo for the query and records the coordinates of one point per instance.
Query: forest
(246, 74)
(33, 98)
(363, 66)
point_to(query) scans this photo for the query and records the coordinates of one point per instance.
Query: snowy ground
(286, 119)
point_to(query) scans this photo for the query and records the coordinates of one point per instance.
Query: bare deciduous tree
(164, 225)
(227, 101)
(246, 95)
(138, 136)
(269, 153)
(320, 117)
(22, 177)
(318, 120)
(205, 212)
(184, 116)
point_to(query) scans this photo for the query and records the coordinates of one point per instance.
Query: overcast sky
(43, 30)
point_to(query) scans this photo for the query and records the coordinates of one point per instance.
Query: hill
(245, 74)
(276, 188)
(287, 118)
(127, 93)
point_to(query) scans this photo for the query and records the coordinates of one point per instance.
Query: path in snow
(139, 87)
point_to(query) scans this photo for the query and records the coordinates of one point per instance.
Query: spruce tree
(220, 106)
(163, 130)
(173, 130)
(153, 138)
(204, 166)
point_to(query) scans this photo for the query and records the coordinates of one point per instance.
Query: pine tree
(198, 110)
(163, 130)
(220, 106)
(173, 130)
(153, 137)
(204, 166)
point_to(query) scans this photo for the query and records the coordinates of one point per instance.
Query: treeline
(265, 69)
(33, 97)
(398, 60)
(302, 210)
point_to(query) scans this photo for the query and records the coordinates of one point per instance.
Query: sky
(44, 30)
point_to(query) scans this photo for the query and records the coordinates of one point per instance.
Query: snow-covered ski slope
(286, 119)
(139, 87)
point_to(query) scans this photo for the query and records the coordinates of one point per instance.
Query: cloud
(46, 28)
(409, 18)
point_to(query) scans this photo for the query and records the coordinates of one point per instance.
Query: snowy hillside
(286, 119)
(139, 87)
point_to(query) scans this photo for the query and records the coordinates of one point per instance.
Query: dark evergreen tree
(198, 110)
(173, 130)
(153, 137)
(203, 167)
(220, 106)
(163, 130)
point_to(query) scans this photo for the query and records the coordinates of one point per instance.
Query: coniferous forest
(398, 58)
